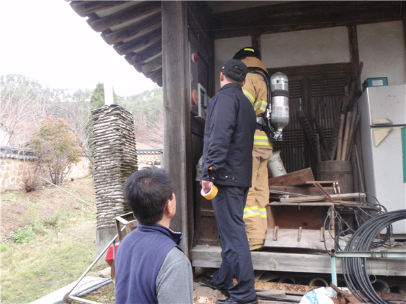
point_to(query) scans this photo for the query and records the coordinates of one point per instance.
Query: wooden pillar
(404, 21)
(353, 42)
(177, 134)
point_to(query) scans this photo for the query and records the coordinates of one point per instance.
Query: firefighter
(255, 88)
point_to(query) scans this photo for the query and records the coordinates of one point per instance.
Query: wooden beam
(404, 22)
(139, 43)
(256, 42)
(302, 15)
(141, 27)
(177, 136)
(155, 75)
(210, 257)
(353, 43)
(149, 52)
(317, 198)
(292, 179)
(305, 190)
(151, 65)
(85, 8)
(139, 10)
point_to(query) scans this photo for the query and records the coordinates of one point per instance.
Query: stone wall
(146, 155)
(13, 171)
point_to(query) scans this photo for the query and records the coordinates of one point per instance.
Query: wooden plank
(139, 28)
(404, 23)
(289, 216)
(305, 190)
(139, 43)
(301, 16)
(292, 179)
(85, 8)
(151, 66)
(346, 136)
(340, 136)
(210, 257)
(137, 11)
(298, 238)
(354, 127)
(316, 198)
(353, 44)
(177, 136)
(149, 52)
(155, 75)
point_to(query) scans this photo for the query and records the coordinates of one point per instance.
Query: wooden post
(346, 134)
(177, 134)
(340, 136)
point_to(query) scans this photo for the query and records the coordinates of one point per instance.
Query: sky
(47, 41)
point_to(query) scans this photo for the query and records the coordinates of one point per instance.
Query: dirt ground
(48, 199)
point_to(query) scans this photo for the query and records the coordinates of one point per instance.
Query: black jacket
(228, 138)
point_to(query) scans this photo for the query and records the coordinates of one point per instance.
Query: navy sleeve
(222, 125)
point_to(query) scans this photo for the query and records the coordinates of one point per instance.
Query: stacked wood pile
(115, 159)
(346, 123)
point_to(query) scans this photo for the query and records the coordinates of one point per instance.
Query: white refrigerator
(383, 119)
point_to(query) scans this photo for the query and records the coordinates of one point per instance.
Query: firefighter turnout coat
(255, 212)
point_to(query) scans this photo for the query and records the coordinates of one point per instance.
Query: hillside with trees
(25, 103)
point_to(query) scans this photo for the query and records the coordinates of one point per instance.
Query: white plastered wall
(299, 48)
(382, 50)
(328, 45)
(224, 49)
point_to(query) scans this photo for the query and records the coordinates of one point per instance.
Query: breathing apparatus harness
(264, 121)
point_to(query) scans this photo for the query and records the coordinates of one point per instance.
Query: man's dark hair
(146, 191)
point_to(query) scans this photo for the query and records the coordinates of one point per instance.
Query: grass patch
(12, 196)
(86, 181)
(61, 249)
(4, 247)
(23, 235)
(49, 263)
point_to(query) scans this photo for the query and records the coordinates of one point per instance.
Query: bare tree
(22, 103)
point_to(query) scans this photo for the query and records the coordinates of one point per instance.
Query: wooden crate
(299, 226)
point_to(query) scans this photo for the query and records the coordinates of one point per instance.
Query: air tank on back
(280, 103)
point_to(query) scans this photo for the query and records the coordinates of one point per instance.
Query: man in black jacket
(227, 163)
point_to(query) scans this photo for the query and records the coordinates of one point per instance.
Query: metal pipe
(83, 300)
(369, 254)
(65, 191)
(92, 288)
(333, 270)
(94, 262)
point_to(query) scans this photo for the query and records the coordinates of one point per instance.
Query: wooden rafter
(125, 15)
(139, 43)
(144, 26)
(302, 15)
(85, 8)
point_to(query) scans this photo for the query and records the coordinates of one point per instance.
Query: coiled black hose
(354, 269)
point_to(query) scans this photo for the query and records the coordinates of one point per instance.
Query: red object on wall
(194, 57)
(110, 256)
